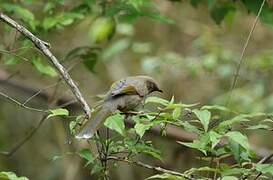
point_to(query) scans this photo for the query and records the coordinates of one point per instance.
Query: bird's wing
(122, 87)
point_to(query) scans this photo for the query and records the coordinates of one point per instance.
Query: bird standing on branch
(124, 95)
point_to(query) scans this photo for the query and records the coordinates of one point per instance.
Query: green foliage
(58, 112)
(10, 176)
(43, 69)
(112, 20)
(116, 123)
(217, 142)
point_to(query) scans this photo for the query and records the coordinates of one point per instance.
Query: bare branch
(43, 47)
(158, 169)
(25, 139)
(21, 104)
(241, 60)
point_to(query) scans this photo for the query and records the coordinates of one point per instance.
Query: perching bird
(124, 95)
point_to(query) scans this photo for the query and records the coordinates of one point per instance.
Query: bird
(124, 95)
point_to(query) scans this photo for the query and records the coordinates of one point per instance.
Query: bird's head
(152, 86)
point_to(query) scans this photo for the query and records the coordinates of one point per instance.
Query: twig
(158, 169)
(241, 60)
(265, 159)
(21, 104)
(13, 54)
(38, 92)
(26, 138)
(43, 46)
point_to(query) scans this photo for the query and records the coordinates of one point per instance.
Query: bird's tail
(90, 128)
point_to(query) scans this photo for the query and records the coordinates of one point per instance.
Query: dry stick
(31, 133)
(237, 72)
(21, 104)
(158, 169)
(43, 46)
(23, 141)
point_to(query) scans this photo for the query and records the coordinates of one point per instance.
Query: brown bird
(124, 95)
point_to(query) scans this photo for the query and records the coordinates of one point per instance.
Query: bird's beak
(159, 90)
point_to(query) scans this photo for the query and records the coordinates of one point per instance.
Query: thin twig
(158, 169)
(38, 92)
(241, 60)
(21, 104)
(25, 139)
(14, 54)
(265, 159)
(43, 47)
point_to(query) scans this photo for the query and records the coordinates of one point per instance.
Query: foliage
(111, 33)
(216, 143)
(10, 176)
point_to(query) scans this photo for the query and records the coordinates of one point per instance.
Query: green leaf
(115, 48)
(214, 138)
(259, 126)
(97, 168)
(227, 171)
(43, 69)
(23, 13)
(215, 107)
(10, 176)
(238, 119)
(166, 176)
(102, 29)
(87, 155)
(239, 138)
(204, 117)
(265, 168)
(157, 17)
(176, 113)
(220, 11)
(58, 112)
(199, 144)
(229, 178)
(190, 128)
(156, 100)
(142, 128)
(116, 123)
(201, 169)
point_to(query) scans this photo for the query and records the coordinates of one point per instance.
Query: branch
(147, 166)
(264, 160)
(241, 60)
(24, 140)
(21, 104)
(43, 47)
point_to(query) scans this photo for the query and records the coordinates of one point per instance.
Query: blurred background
(189, 50)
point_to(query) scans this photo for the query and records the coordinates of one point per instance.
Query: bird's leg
(142, 102)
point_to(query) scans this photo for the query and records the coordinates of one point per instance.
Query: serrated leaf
(116, 123)
(239, 138)
(214, 138)
(199, 144)
(204, 117)
(58, 112)
(156, 100)
(142, 128)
